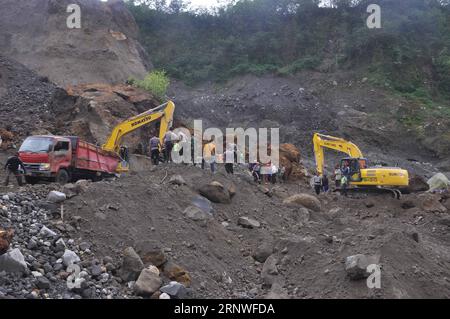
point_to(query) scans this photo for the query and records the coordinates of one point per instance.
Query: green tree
(156, 82)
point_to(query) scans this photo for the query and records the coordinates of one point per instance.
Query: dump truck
(64, 159)
(67, 158)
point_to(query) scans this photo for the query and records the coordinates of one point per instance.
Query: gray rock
(177, 180)
(248, 222)
(45, 232)
(216, 193)
(132, 265)
(71, 190)
(306, 200)
(356, 265)
(60, 245)
(269, 271)
(32, 244)
(84, 246)
(151, 253)
(147, 283)
(13, 261)
(43, 283)
(196, 213)
(69, 257)
(56, 197)
(175, 290)
(262, 252)
(277, 292)
(96, 270)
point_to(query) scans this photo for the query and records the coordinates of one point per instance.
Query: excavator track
(396, 193)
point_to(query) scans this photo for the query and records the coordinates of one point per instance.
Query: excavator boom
(320, 141)
(163, 112)
(361, 175)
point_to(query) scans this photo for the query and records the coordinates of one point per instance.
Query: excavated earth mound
(104, 49)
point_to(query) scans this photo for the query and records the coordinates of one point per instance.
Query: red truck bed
(90, 157)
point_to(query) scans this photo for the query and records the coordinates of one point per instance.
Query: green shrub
(156, 82)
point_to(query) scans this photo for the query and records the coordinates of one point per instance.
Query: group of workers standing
(262, 173)
(341, 177)
(173, 142)
(266, 173)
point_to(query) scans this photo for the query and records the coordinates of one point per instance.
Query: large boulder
(305, 200)
(290, 151)
(438, 182)
(418, 184)
(132, 265)
(13, 261)
(148, 282)
(430, 203)
(216, 193)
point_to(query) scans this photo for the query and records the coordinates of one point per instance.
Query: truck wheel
(31, 180)
(62, 177)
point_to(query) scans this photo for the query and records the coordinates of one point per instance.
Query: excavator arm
(320, 141)
(163, 112)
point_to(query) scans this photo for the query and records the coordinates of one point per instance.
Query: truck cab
(46, 158)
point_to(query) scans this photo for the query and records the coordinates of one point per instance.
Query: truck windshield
(36, 145)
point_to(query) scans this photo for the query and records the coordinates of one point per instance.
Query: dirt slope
(335, 104)
(105, 49)
(309, 247)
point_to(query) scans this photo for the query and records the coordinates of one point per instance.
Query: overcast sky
(204, 3)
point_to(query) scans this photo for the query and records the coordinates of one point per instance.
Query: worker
(182, 140)
(209, 155)
(169, 138)
(344, 185)
(155, 144)
(281, 172)
(317, 183)
(325, 183)
(123, 153)
(337, 175)
(230, 155)
(273, 177)
(346, 169)
(266, 172)
(193, 144)
(255, 169)
(12, 166)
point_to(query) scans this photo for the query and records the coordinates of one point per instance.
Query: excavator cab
(355, 165)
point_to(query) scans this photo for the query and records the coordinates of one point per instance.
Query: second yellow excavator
(163, 112)
(362, 177)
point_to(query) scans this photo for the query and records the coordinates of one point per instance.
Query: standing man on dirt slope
(12, 166)
(230, 156)
(209, 155)
(169, 138)
(317, 182)
(154, 149)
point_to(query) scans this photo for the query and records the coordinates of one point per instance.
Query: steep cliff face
(104, 49)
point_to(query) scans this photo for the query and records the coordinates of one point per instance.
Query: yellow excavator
(163, 112)
(362, 177)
